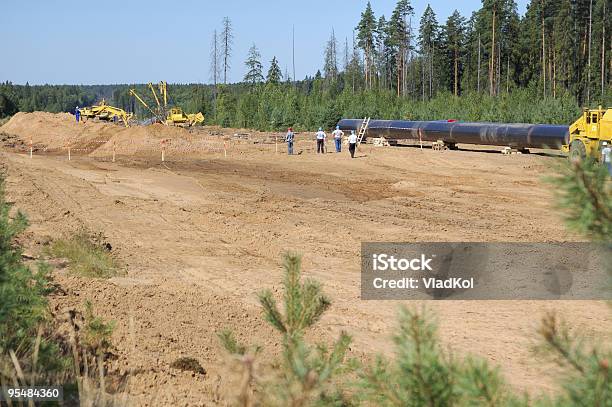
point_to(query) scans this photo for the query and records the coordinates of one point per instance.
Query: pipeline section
(518, 135)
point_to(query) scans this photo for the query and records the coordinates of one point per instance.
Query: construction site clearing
(199, 234)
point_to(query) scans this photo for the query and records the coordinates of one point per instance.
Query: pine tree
(602, 33)
(346, 59)
(254, 73)
(454, 41)
(23, 307)
(365, 40)
(428, 42)
(215, 66)
(227, 41)
(423, 374)
(215, 57)
(497, 24)
(274, 73)
(584, 192)
(354, 71)
(307, 374)
(330, 67)
(382, 52)
(564, 44)
(400, 42)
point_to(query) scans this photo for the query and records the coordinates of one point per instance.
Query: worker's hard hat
(320, 129)
(337, 127)
(605, 143)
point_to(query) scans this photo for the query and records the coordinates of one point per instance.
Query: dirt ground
(200, 234)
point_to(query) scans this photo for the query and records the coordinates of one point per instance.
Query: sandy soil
(200, 234)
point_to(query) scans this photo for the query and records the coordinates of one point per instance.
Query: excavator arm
(142, 102)
(163, 90)
(150, 85)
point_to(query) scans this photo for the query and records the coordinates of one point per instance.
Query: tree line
(493, 65)
(557, 47)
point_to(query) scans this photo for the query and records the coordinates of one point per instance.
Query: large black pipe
(519, 136)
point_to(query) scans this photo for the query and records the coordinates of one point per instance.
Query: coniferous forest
(493, 65)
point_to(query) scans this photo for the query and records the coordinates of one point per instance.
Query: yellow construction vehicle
(106, 112)
(169, 116)
(588, 132)
(177, 117)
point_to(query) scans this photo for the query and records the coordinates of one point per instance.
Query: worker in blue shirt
(338, 138)
(289, 138)
(77, 114)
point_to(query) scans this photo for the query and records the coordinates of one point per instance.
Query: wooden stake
(275, 144)
(114, 149)
(69, 158)
(163, 146)
(225, 148)
(31, 148)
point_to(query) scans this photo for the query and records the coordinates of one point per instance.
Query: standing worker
(77, 114)
(352, 143)
(338, 138)
(606, 153)
(321, 136)
(289, 139)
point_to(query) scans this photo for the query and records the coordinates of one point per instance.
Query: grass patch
(88, 256)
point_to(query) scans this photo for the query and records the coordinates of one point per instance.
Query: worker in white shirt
(321, 136)
(352, 143)
(606, 159)
(338, 134)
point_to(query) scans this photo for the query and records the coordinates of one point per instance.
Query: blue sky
(85, 42)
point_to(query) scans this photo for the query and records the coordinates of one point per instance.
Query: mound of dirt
(55, 133)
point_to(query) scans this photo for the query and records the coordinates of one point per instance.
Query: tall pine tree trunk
(478, 80)
(589, 60)
(430, 71)
(498, 72)
(554, 72)
(492, 61)
(456, 87)
(405, 74)
(508, 75)
(603, 50)
(543, 53)
(423, 76)
(398, 60)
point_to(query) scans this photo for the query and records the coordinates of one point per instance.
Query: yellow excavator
(587, 134)
(103, 111)
(169, 116)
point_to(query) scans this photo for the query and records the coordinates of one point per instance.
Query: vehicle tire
(577, 151)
